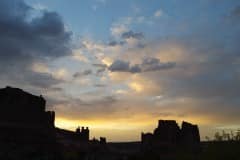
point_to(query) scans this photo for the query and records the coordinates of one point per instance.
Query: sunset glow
(118, 67)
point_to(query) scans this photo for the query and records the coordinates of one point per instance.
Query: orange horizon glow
(123, 130)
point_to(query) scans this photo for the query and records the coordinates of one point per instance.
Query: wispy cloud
(147, 65)
(158, 13)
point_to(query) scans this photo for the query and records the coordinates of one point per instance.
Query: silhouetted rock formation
(168, 133)
(23, 118)
(190, 134)
(70, 137)
(27, 129)
(83, 133)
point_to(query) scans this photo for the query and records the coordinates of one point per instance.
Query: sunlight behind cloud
(79, 56)
(136, 87)
(40, 67)
(108, 61)
(61, 73)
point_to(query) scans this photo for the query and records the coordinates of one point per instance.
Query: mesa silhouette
(23, 118)
(24, 121)
(168, 132)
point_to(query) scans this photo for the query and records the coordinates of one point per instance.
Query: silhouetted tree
(227, 136)
(232, 135)
(218, 136)
(237, 137)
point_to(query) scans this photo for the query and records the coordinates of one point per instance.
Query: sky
(120, 66)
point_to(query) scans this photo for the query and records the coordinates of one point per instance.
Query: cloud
(100, 85)
(83, 73)
(39, 6)
(121, 26)
(87, 109)
(40, 68)
(112, 43)
(115, 43)
(25, 41)
(40, 38)
(100, 68)
(119, 66)
(11, 9)
(154, 64)
(77, 55)
(131, 34)
(129, 39)
(201, 65)
(117, 30)
(148, 64)
(135, 68)
(41, 80)
(158, 13)
(202, 85)
(100, 65)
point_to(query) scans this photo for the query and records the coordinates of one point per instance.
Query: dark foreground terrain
(123, 151)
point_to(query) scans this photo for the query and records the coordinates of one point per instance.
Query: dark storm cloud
(82, 73)
(42, 36)
(147, 65)
(131, 34)
(12, 9)
(25, 40)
